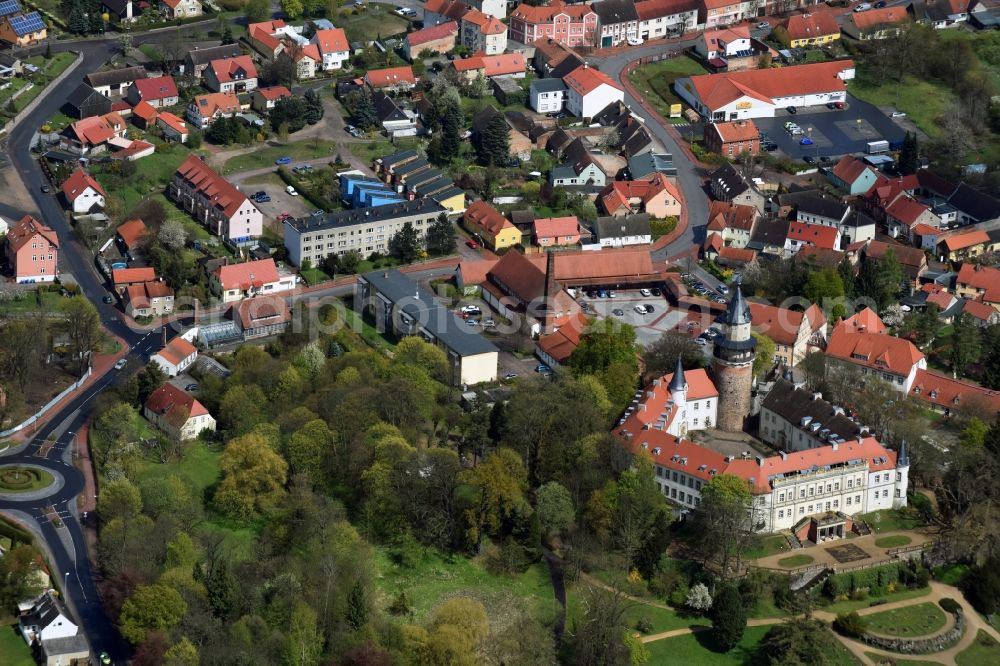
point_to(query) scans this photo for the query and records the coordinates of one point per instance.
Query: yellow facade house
(490, 226)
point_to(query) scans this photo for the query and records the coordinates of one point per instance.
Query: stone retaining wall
(920, 645)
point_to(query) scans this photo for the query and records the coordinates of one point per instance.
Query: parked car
(808, 159)
(722, 289)
(283, 160)
(108, 299)
(763, 25)
(618, 312)
(542, 368)
(489, 323)
(612, 294)
(863, 7)
(472, 244)
(46, 189)
(645, 292)
(291, 190)
(349, 128)
(634, 41)
(641, 309)
(656, 292)
(805, 141)
(791, 109)
(602, 294)
(121, 363)
(318, 213)
(266, 198)
(701, 342)
(283, 216)
(471, 309)
(471, 322)
(835, 105)
(768, 146)
(650, 309)
(510, 375)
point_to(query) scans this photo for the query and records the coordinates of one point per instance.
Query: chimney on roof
(784, 456)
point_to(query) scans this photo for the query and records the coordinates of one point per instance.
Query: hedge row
(845, 583)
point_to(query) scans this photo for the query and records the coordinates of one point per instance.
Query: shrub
(643, 625)
(400, 605)
(949, 605)
(838, 585)
(850, 624)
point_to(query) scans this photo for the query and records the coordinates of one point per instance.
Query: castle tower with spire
(732, 364)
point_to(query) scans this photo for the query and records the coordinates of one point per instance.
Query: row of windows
(679, 478)
(687, 498)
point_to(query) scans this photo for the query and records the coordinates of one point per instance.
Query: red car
(835, 105)
(283, 216)
(472, 244)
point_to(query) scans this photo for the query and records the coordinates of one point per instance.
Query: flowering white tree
(699, 598)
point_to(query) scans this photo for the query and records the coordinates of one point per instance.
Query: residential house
(733, 222)
(720, 13)
(131, 234)
(114, 82)
(578, 168)
(177, 413)
(123, 278)
(550, 54)
(895, 360)
(572, 25)
(981, 313)
(91, 135)
(482, 33)
(788, 413)
(439, 39)
(306, 59)
(656, 196)
(736, 257)
(215, 202)
(767, 237)
(852, 175)
(32, 251)
(974, 207)
(912, 260)
(234, 282)
(175, 357)
(801, 234)
(85, 102)
(646, 164)
(553, 231)
(263, 99)
(46, 627)
(728, 184)
(617, 22)
(554, 349)
(173, 127)
(520, 144)
(589, 90)
(262, 317)
(941, 13)
(121, 11)
(760, 93)
(180, 9)
(196, 60)
(149, 299)
(206, 109)
(611, 231)
(268, 38)
(794, 333)
(506, 64)
(395, 121)
(963, 246)
(83, 193)
(876, 23)
(393, 78)
(977, 282)
(437, 12)
(490, 227)
(926, 237)
(731, 49)
(159, 92)
(732, 139)
(944, 394)
(401, 307)
(906, 212)
(547, 95)
(334, 50)
(235, 75)
(806, 30)
(497, 8)
(22, 30)
(666, 18)
(144, 116)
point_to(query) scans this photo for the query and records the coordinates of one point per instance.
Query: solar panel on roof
(8, 7)
(27, 24)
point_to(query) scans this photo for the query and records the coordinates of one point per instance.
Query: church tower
(732, 364)
(678, 393)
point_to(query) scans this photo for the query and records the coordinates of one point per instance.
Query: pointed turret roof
(902, 458)
(738, 310)
(678, 383)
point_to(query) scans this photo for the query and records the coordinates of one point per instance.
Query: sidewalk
(86, 501)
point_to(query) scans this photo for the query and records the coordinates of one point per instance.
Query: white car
(612, 294)
(863, 7)
(634, 41)
(291, 190)
(763, 25)
(641, 309)
(471, 309)
(645, 292)
(121, 364)
(405, 11)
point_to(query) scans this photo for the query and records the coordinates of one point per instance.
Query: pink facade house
(552, 231)
(32, 251)
(572, 25)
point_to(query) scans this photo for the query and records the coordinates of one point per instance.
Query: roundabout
(28, 482)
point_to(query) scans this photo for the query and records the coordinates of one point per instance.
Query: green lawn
(661, 619)
(13, 650)
(923, 100)
(13, 480)
(655, 81)
(892, 520)
(29, 302)
(984, 650)
(376, 20)
(950, 574)
(54, 66)
(860, 604)
(896, 661)
(314, 275)
(894, 541)
(266, 155)
(367, 332)
(695, 650)
(771, 545)
(795, 561)
(911, 621)
(434, 578)
(200, 466)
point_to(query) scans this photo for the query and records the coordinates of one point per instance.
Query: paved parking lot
(835, 132)
(281, 202)
(648, 327)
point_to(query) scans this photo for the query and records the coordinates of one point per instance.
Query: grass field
(923, 100)
(902, 595)
(892, 520)
(266, 155)
(376, 20)
(698, 650)
(880, 659)
(40, 479)
(655, 81)
(766, 546)
(984, 650)
(29, 302)
(894, 541)
(434, 578)
(795, 561)
(13, 650)
(917, 620)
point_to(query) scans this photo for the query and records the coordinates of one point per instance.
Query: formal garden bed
(24, 479)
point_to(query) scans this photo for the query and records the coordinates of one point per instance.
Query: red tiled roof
(133, 275)
(849, 169)
(908, 256)
(561, 344)
(877, 17)
(77, 184)
(619, 193)
(585, 79)
(486, 217)
(264, 33)
(238, 276)
(783, 325)
(96, 130)
(980, 311)
(262, 311)
(806, 26)
(274, 92)
(219, 102)
(925, 230)
(942, 299)
(716, 90)
(160, 87)
(216, 188)
(176, 351)
(547, 13)
(742, 255)
(451, 9)
(174, 404)
(382, 78)
(488, 25)
(145, 111)
(139, 295)
(865, 320)
(713, 242)
(332, 40)
(726, 215)
(173, 122)
(435, 32)
(555, 227)
(131, 232)
(228, 69)
(474, 271)
(651, 9)
(906, 209)
(739, 130)
(298, 53)
(968, 239)
(979, 277)
(949, 393)
(498, 65)
(880, 351)
(813, 234)
(27, 228)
